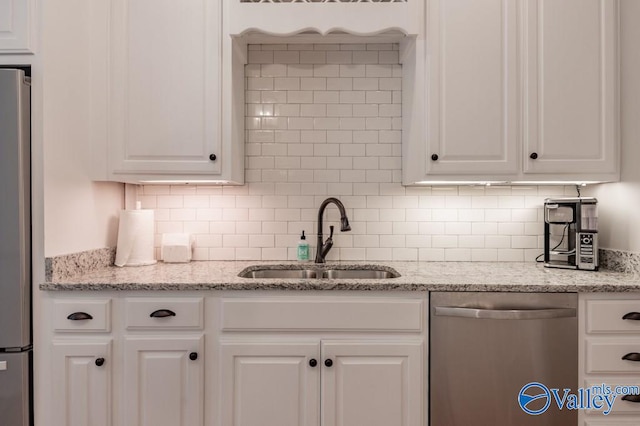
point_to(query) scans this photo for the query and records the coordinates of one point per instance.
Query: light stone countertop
(415, 276)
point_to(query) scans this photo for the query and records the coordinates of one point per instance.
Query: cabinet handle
(634, 316)
(328, 362)
(632, 356)
(313, 362)
(534, 156)
(434, 157)
(162, 313)
(631, 398)
(79, 316)
(213, 157)
(193, 356)
(99, 362)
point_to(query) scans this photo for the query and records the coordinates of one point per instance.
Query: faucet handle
(331, 232)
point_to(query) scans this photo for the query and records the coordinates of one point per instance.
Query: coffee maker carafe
(571, 233)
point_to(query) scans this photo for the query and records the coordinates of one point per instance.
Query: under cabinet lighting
(498, 183)
(185, 182)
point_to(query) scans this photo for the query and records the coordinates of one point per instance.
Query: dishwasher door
(484, 347)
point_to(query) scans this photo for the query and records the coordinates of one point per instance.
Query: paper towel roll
(135, 238)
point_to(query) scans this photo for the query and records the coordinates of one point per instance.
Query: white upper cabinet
(16, 27)
(472, 87)
(164, 101)
(570, 79)
(514, 91)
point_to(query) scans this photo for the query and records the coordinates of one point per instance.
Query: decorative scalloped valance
(323, 17)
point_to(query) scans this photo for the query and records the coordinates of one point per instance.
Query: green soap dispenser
(303, 249)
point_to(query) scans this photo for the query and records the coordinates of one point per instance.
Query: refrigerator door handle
(505, 314)
(79, 316)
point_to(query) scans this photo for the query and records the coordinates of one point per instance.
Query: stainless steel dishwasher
(485, 347)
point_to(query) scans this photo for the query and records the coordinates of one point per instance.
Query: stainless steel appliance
(15, 250)
(485, 347)
(571, 233)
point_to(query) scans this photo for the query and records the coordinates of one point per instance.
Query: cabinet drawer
(606, 316)
(82, 315)
(160, 313)
(605, 356)
(619, 406)
(310, 314)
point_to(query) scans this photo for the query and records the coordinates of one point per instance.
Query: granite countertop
(415, 276)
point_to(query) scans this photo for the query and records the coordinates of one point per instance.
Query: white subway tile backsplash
(497, 241)
(266, 70)
(431, 254)
(484, 255)
(522, 241)
(379, 254)
(484, 228)
(286, 83)
(365, 57)
(457, 255)
(325, 120)
(313, 57)
(511, 228)
(405, 254)
(444, 241)
(169, 201)
(326, 70)
(457, 228)
(510, 255)
(471, 241)
(299, 70)
(260, 57)
(273, 97)
(248, 253)
(339, 57)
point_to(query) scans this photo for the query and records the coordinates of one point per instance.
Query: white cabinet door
(372, 383)
(571, 82)
(472, 102)
(15, 26)
(165, 87)
(81, 374)
(163, 381)
(270, 384)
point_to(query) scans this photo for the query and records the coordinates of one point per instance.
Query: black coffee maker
(571, 233)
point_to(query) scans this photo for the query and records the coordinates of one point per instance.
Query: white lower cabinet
(610, 354)
(318, 360)
(232, 359)
(82, 382)
(270, 383)
(373, 383)
(328, 383)
(163, 380)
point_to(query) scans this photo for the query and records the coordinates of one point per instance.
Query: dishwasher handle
(505, 314)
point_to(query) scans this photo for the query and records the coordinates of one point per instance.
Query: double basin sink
(328, 272)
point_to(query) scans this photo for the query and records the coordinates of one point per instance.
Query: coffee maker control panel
(587, 255)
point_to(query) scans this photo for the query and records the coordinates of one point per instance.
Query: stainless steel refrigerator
(15, 250)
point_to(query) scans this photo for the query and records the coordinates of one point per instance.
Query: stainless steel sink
(362, 274)
(280, 273)
(320, 273)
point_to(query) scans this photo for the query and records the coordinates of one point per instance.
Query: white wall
(78, 213)
(619, 203)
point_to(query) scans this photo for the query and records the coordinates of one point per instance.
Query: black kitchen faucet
(324, 247)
